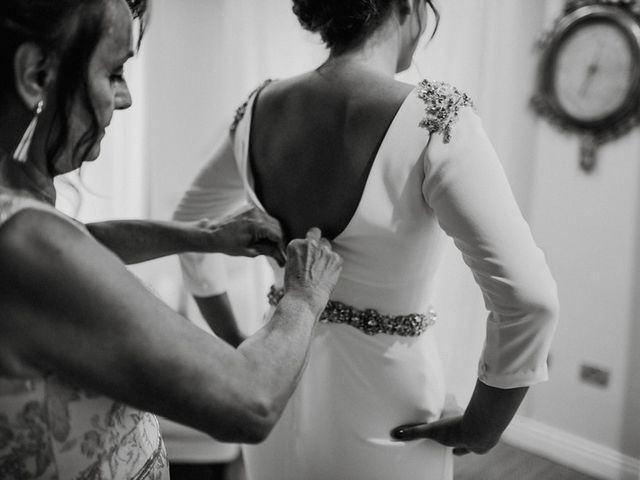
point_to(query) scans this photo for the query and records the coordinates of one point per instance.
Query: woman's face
(107, 88)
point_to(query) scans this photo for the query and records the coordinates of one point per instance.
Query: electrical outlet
(594, 375)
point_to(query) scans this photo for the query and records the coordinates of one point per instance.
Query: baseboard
(570, 450)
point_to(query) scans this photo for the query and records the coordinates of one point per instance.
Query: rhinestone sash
(370, 321)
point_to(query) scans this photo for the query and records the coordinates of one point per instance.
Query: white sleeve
(467, 189)
(217, 192)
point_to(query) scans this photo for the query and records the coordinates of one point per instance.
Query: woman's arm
(488, 414)
(71, 308)
(467, 189)
(249, 233)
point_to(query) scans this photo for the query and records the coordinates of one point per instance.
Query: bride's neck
(379, 54)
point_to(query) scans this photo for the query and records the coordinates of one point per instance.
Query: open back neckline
(245, 167)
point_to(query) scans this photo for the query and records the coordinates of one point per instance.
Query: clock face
(594, 71)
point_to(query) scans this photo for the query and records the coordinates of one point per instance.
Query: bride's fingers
(446, 432)
(411, 432)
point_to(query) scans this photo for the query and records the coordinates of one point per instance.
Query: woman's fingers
(270, 249)
(314, 234)
(412, 432)
(255, 233)
(447, 432)
(312, 265)
(269, 241)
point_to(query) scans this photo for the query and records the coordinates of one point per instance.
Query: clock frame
(615, 123)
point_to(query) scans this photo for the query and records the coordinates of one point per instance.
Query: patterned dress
(50, 430)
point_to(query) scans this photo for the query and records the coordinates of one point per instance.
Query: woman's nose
(123, 97)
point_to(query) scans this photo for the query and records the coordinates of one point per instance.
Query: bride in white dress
(383, 168)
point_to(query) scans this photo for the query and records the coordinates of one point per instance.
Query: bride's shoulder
(242, 109)
(271, 95)
(443, 103)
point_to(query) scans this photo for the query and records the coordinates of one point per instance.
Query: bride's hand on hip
(312, 268)
(249, 233)
(450, 431)
(487, 415)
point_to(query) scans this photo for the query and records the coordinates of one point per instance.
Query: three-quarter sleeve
(216, 193)
(466, 187)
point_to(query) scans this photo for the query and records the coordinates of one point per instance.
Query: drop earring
(21, 152)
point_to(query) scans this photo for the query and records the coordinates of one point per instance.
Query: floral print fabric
(50, 430)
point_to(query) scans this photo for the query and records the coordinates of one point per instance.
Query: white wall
(589, 224)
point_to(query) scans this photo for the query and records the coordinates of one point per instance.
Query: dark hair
(69, 31)
(343, 24)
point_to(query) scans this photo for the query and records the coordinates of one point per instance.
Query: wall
(589, 225)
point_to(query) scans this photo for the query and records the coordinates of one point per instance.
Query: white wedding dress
(435, 170)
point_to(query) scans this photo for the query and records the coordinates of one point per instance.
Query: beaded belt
(370, 321)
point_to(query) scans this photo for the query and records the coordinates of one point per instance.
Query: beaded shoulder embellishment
(442, 105)
(242, 109)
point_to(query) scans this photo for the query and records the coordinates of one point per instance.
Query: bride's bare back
(313, 141)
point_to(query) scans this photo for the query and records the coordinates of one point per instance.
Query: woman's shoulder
(313, 86)
(12, 201)
(33, 236)
(312, 98)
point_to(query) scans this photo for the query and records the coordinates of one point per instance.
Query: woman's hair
(345, 23)
(67, 31)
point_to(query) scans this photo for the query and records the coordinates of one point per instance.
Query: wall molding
(571, 450)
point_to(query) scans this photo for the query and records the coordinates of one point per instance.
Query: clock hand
(591, 71)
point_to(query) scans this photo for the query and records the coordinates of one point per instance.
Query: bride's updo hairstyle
(67, 32)
(343, 24)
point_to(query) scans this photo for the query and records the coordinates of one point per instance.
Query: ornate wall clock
(589, 72)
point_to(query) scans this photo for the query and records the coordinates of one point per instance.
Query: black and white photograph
(320, 240)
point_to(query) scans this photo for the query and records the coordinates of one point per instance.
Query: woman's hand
(312, 268)
(451, 432)
(445, 431)
(477, 431)
(249, 233)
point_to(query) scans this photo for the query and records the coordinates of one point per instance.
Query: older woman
(85, 350)
(384, 168)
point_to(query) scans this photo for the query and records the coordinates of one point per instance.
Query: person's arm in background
(467, 189)
(249, 233)
(62, 288)
(216, 192)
